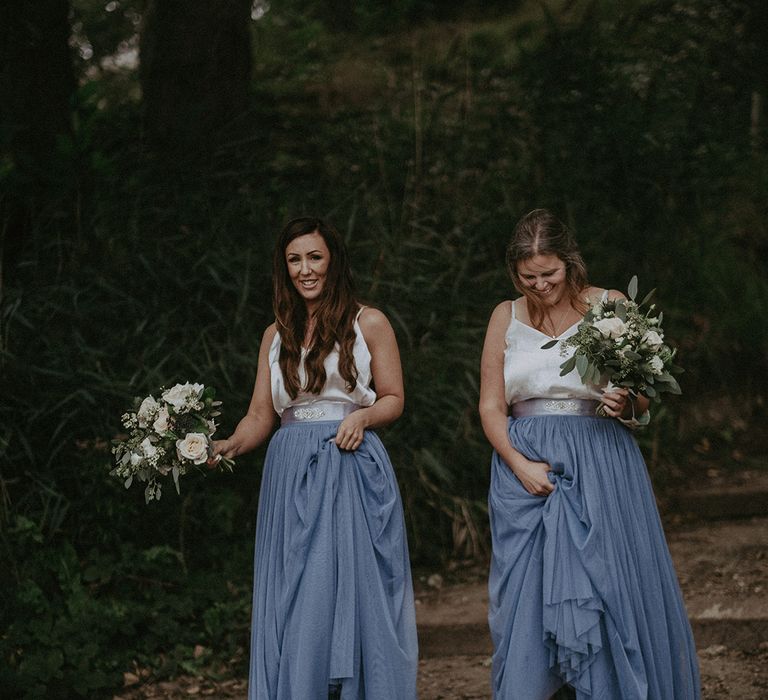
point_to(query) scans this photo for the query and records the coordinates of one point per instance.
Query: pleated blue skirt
(582, 587)
(332, 594)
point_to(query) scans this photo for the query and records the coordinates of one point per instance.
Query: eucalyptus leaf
(550, 344)
(128, 482)
(632, 288)
(647, 297)
(567, 366)
(175, 472)
(582, 365)
(650, 391)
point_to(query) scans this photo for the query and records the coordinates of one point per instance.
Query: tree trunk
(36, 77)
(36, 87)
(195, 69)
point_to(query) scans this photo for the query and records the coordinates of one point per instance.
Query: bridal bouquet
(169, 435)
(618, 342)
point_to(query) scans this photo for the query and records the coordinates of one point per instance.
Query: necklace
(555, 326)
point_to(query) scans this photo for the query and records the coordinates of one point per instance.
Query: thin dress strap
(359, 311)
(513, 310)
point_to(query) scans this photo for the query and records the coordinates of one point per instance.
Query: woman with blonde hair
(583, 593)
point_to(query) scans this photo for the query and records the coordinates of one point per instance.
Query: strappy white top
(335, 388)
(533, 373)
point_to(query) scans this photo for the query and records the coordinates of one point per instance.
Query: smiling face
(545, 276)
(308, 258)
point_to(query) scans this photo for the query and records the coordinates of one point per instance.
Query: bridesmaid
(583, 593)
(333, 613)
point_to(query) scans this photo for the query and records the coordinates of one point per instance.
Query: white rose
(194, 447)
(148, 448)
(161, 422)
(653, 339)
(610, 327)
(656, 364)
(180, 394)
(146, 411)
(136, 459)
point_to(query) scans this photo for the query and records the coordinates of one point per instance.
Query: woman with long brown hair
(333, 613)
(583, 593)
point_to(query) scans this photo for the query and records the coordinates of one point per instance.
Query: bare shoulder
(372, 320)
(595, 294)
(501, 315)
(269, 333)
(502, 310)
(375, 326)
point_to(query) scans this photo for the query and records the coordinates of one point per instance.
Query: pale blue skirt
(332, 594)
(582, 587)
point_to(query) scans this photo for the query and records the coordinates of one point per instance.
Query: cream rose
(193, 447)
(147, 411)
(652, 339)
(161, 422)
(181, 394)
(610, 327)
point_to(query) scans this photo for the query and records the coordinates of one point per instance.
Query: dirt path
(723, 571)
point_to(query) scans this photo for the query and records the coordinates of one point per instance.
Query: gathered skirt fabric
(582, 587)
(332, 594)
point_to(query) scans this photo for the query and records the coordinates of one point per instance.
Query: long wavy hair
(541, 233)
(334, 316)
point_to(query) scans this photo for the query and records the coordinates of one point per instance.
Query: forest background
(151, 149)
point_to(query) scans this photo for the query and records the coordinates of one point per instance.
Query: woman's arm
(493, 406)
(387, 377)
(258, 422)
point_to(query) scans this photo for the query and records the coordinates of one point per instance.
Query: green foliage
(144, 269)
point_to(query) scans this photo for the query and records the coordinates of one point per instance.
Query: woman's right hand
(533, 476)
(220, 449)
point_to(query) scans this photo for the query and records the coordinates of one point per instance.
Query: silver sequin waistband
(554, 407)
(319, 410)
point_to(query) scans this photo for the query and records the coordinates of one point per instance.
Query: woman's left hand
(615, 402)
(351, 431)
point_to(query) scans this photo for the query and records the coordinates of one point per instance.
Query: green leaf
(582, 365)
(567, 366)
(550, 344)
(647, 297)
(674, 387)
(650, 392)
(632, 288)
(175, 472)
